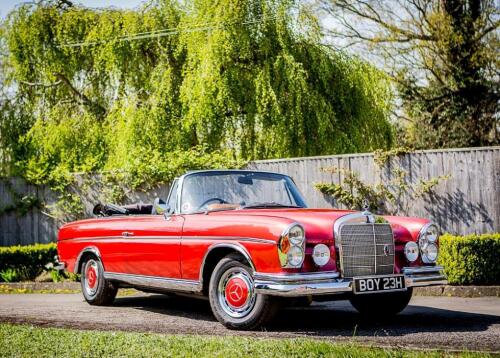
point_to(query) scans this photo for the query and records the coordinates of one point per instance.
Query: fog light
(321, 254)
(411, 251)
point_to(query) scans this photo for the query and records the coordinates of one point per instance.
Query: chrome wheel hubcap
(235, 292)
(91, 279)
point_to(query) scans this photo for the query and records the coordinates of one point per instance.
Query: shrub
(18, 263)
(10, 275)
(471, 259)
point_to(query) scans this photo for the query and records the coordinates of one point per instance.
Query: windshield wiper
(271, 204)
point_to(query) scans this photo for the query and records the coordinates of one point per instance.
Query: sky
(7, 5)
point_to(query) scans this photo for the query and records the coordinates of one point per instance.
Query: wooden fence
(468, 201)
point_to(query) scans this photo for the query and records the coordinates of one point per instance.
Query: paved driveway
(429, 322)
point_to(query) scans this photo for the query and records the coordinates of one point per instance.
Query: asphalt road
(428, 322)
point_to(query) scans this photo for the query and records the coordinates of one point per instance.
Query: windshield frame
(300, 198)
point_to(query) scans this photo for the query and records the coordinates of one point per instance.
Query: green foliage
(58, 276)
(471, 260)
(252, 82)
(353, 192)
(392, 196)
(22, 263)
(22, 205)
(443, 57)
(381, 157)
(11, 275)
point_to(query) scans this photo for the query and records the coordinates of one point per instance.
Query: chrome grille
(366, 249)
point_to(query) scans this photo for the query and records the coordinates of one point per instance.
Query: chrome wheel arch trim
(89, 249)
(239, 248)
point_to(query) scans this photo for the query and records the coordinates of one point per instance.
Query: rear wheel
(233, 299)
(96, 290)
(382, 304)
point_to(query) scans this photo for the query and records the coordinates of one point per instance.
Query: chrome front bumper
(328, 283)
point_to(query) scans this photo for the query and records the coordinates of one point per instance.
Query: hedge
(472, 259)
(21, 263)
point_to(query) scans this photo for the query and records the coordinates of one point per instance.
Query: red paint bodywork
(176, 247)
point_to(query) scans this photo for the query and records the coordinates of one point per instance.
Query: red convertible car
(248, 242)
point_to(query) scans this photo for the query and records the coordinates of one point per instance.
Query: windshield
(231, 190)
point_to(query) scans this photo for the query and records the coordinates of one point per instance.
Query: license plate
(379, 284)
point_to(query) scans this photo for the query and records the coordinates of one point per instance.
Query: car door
(148, 245)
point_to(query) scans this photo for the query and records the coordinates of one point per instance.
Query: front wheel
(382, 304)
(233, 299)
(96, 290)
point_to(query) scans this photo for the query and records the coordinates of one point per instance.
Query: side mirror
(160, 207)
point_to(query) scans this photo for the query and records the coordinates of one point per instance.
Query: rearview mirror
(245, 179)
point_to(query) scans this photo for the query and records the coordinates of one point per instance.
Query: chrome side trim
(233, 246)
(126, 237)
(213, 238)
(92, 249)
(235, 238)
(154, 282)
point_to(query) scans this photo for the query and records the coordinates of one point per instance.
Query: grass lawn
(28, 341)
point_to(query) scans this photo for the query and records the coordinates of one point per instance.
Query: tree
(131, 89)
(443, 57)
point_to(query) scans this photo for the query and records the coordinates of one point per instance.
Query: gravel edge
(443, 290)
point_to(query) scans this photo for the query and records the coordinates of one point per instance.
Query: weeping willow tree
(176, 85)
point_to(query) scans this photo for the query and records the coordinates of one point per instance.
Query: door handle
(127, 234)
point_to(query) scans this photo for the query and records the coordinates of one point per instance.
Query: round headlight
(321, 254)
(296, 235)
(429, 233)
(295, 256)
(429, 253)
(411, 251)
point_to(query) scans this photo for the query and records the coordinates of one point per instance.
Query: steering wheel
(206, 202)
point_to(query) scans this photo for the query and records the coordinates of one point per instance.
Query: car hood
(318, 223)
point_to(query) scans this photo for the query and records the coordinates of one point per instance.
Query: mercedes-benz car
(248, 242)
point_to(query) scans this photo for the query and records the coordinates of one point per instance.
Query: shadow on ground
(326, 319)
